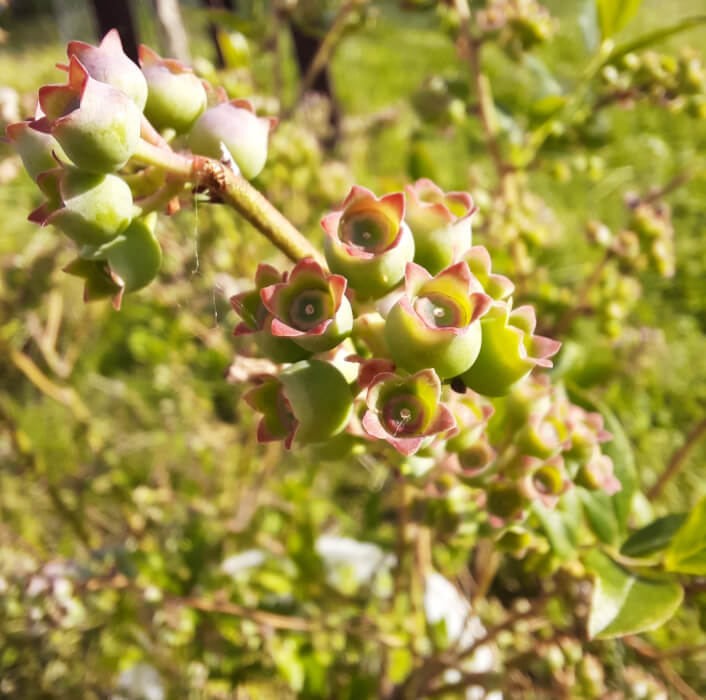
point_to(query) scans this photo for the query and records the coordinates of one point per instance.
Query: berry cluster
(676, 82)
(88, 136)
(411, 342)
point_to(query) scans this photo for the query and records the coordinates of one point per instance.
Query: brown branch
(677, 460)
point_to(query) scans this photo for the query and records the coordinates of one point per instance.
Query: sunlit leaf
(654, 537)
(624, 603)
(614, 15)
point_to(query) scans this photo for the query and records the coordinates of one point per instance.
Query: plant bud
(544, 481)
(597, 474)
(97, 125)
(89, 208)
(309, 401)
(310, 307)
(440, 224)
(176, 97)
(235, 126)
(406, 411)
(495, 286)
(109, 64)
(434, 322)
(34, 148)
(509, 350)
(368, 242)
(257, 320)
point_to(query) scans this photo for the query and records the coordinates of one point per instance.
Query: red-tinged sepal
(544, 481)
(310, 307)
(257, 320)
(407, 412)
(435, 322)
(109, 64)
(368, 242)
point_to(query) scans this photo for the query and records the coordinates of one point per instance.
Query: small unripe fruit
(176, 97)
(235, 126)
(434, 324)
(406, 411)
(90, 208)
(368, 242)
(309, 401)
(97, 125)
(310, 307)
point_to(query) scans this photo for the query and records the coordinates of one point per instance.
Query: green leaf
(618, 449)
(654, 537)
(687, 552)
(656, 36)
(623, 603)
(598, 508)
(613, 15)
(561, 525)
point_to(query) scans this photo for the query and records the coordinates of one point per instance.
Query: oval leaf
(623, 603)
(654, 537)
(687, 552)
(613, 15)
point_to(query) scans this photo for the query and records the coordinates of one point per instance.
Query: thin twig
(677, 460)
(471, 47)
(323, 55)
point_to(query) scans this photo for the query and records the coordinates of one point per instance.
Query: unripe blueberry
(108, 63)
(434, 322)
(257, 320)
(406, 412)
(472, 412)
(310, 307)
(176, 97)
(90, 208)
(440, 223)
(235, 126)
(368, 242)
(509, 350)
(97, 125)
(597, 474)
(35, 148)
(309, 401)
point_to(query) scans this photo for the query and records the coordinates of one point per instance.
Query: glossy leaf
(687, 552)
(614, 15)
(654, 537)
(600, 515)
(624, 603)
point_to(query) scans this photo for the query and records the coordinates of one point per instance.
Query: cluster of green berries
(518, 25)
(411, 342)
(677, 82)
(85, 142)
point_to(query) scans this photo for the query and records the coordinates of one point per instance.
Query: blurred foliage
(150, 548)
